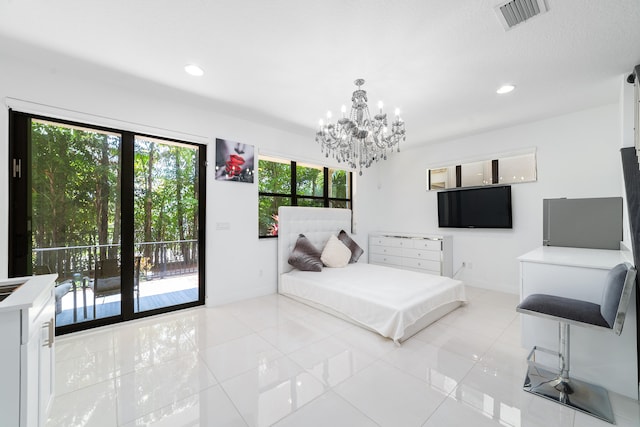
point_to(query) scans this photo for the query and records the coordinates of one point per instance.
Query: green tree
(76, 186)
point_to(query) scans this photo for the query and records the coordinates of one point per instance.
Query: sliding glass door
(166, 223)
(117, 216)
(70, 183)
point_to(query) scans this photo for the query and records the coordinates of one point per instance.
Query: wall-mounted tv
(481, 207)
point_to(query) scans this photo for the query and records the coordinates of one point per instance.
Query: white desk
(600, 357)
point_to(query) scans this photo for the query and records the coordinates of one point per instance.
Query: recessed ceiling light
(505, 89)
(194, 70)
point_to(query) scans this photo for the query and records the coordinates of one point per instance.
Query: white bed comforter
(385, 299)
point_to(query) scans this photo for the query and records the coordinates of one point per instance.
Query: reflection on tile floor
(273, 361)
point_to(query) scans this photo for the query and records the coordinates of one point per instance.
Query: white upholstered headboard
(317, 224)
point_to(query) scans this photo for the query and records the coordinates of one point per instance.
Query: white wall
(578, 156)
(239, 265)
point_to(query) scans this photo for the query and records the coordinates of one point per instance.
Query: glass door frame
(20, 240)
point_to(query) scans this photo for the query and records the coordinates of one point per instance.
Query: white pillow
(335, 253)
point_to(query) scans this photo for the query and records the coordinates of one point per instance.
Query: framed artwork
(234, 161)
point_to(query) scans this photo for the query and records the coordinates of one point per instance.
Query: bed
(392, 302)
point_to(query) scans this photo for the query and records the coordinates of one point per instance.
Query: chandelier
(357, 139)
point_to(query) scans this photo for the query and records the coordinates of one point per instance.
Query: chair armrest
(62, 288)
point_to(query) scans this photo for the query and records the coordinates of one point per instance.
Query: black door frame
(20, 211)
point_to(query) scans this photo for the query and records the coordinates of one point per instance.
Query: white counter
(29, 293)
(600, 357)
(27, 326)
(576, 257)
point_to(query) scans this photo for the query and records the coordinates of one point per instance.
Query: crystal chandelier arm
(357, 139)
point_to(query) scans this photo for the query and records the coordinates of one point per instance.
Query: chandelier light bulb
(344, 110)
(321, 122)
(397, 112)
(328, 115)
(380, 105)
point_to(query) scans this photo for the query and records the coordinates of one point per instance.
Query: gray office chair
(609, 315)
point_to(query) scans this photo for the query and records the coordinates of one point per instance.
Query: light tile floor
(273, 361)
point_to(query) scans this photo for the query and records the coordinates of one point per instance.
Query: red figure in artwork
(234, 165)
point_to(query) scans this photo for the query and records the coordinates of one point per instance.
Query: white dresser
(419, 252)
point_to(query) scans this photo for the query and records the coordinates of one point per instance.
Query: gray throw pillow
(305, 256)
(356, 251)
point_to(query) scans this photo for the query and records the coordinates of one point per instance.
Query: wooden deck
(155, 293)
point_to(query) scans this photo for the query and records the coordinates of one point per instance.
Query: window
(288, 183)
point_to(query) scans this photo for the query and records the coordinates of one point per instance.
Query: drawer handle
(51, 333)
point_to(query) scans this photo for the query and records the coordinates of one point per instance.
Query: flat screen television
(483, 207)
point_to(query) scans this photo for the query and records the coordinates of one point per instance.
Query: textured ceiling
(287, 62)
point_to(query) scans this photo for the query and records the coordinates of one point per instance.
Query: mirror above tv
(510, 168)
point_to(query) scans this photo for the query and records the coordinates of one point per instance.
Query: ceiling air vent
(516, 12)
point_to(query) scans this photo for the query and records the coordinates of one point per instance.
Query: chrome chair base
(579, 395)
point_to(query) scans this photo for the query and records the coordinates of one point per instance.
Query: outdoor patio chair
(61, 289)
(106, 282)
(136, 278)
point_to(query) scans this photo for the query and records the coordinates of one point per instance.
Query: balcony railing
(158, 259)
(161, 259)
